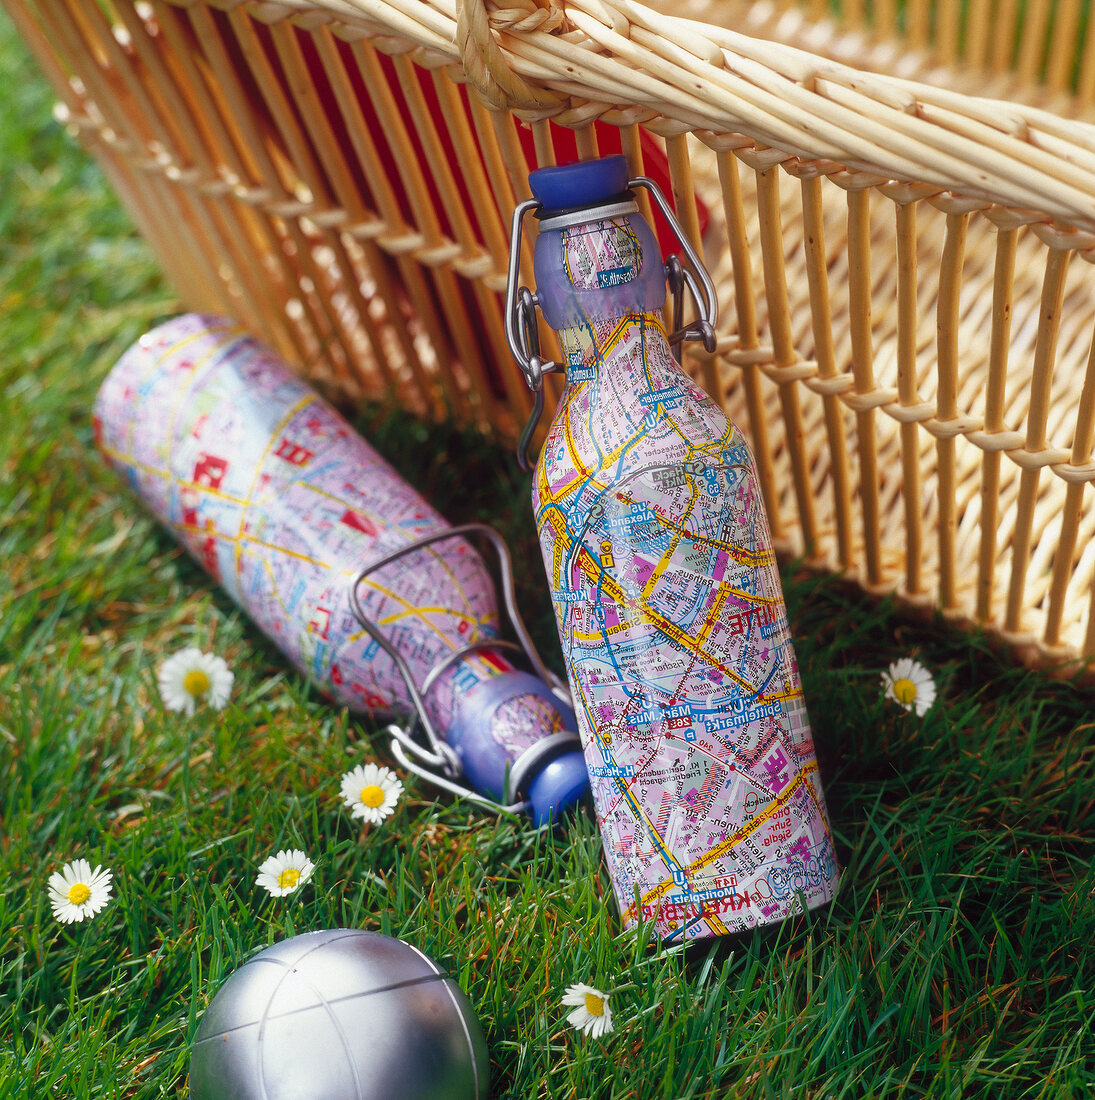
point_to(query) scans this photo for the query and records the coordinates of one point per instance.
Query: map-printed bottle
(336, 558)
(666, 593)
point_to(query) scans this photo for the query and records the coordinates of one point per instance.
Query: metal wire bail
(435, 760)
(520, 317)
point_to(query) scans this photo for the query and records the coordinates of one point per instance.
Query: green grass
(956, 961)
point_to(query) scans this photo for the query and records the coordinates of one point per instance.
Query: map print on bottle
(285, 504)
(667, 595)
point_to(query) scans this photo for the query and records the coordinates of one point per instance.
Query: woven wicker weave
(904, 265)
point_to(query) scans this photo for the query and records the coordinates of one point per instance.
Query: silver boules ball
(341, 1014)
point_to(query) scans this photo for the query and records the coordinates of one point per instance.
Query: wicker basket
(904, 266)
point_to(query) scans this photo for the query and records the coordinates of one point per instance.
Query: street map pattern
(283, 503)
(674, 630)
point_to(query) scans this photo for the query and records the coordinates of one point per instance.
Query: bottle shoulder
(628, 403)
(597, 428)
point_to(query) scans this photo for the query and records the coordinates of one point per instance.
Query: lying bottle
(356, 579)
(665, 584)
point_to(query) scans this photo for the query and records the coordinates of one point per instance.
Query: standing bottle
(666, 591)
(356, 579)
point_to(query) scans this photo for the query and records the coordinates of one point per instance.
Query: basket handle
(485, 65)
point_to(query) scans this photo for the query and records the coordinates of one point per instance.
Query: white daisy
(190, 676)
(591, 1013)
(76, 891)
(371, 792)
(282, 874)
(910, 684)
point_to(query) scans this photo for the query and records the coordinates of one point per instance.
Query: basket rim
(574, 61)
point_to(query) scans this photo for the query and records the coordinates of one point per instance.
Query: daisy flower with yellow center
(371, 792)
(909, 684)
(591, 1014)
(76, 891)
(190, 677)
(287, 871)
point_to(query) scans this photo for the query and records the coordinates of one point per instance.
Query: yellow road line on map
(275, 437)
(559, 545)
(129, 460)
(772, 808)
(674, 632)
(273, 585)
(245, 541)
(712, 618)
(331, 496)
(340, 500)
(435, 553)
(413, 612)
(235, 334)
(183, 399)
(307, 399)
(732, 841)
(678, 534)
(581, 474)
(596, 574)
(205, 490)
(658, 843)
(656, 839)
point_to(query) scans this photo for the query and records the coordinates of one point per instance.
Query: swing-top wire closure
(423, 754)
(523, 337)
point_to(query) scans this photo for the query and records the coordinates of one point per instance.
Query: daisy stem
(186, 768)
(73, 998)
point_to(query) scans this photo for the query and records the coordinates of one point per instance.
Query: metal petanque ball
(339, 1015)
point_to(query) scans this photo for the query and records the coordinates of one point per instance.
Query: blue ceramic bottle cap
(561, 785)
(585, 183)
(487, 751)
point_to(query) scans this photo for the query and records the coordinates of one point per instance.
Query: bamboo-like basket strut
(904, 265)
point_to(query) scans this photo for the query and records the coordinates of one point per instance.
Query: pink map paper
(674, 628)
(283, 503)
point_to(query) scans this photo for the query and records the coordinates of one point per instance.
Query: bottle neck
(631, 344)
(603, 268)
